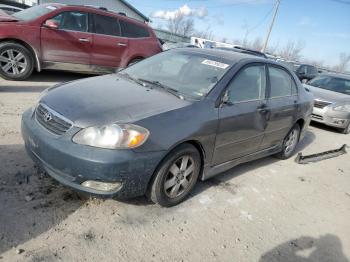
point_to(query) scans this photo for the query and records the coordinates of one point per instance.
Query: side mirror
(52, 24)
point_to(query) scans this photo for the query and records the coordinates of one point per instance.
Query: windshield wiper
(170, 90)
(137, 81)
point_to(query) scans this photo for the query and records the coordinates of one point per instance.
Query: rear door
(108, 45)
(71, 42)
(282, 104)
(242, 119)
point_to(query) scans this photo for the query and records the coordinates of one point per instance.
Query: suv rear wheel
(16, 61)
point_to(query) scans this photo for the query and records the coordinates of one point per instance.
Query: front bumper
(72, 164)
(330, 117)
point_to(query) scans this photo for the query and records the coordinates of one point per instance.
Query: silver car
(332, 100)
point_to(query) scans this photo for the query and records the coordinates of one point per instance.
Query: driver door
(242, 118)
(70, 42)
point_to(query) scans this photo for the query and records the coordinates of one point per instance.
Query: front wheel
(176, 176)
(290, 143)
(16, 61)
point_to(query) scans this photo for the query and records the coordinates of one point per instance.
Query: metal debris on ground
(300, 159)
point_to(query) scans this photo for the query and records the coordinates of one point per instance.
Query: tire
(346, 130)
(135, 61)
(16, 61)
(173, 180)
(290, 143)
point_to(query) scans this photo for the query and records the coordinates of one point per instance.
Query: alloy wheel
(291, 141)
(179, 176)
(13, 62)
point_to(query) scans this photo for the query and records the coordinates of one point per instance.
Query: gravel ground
(267, 210)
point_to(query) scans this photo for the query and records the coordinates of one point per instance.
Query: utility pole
(271, 25)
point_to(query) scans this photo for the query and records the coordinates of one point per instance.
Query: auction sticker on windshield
(215, 64)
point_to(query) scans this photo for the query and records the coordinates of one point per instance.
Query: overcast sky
(323, 25)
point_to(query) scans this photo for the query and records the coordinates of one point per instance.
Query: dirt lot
(267, 210)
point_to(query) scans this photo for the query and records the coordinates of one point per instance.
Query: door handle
(84, 40)
(121, 44)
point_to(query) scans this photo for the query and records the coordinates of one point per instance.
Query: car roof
(233, 57)
(337, 75)
(95, 9)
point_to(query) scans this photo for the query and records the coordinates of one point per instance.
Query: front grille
(51, 120)
(321, 104)
(317, 116)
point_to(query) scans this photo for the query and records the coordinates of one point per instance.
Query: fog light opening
(101, 186)
(338, 121)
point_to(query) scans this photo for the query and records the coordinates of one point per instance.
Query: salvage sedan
(332, 100)
(159, 126)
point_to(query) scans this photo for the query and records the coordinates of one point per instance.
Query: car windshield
(336, 84)
(190, 74)
(33, 12)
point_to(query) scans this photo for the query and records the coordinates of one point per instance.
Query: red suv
(75, 38)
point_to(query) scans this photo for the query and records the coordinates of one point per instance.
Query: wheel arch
(32, 50)
(197, 144)
(138, 57)
(301, 123)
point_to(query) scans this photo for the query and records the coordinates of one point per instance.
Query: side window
(311, 70)
(249, 84)
(281, 83)
(132, 30)
(74, 21)
(106, 25)
(302, 69)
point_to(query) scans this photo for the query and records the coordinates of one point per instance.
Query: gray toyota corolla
(158, 126)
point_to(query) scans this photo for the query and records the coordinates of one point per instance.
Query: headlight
(115, 136)
(345, 108)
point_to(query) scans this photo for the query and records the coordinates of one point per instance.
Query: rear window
(281, 83)
(107, 25)
(133, 31)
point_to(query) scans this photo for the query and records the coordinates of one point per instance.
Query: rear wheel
(176, 176)
(290, 143)
(16, 61)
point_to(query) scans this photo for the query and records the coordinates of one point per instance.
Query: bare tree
(256, 44)
(181, 25)
(206, 34)
(187, 27)
(292, 50)
(344, 60)
(174, 24)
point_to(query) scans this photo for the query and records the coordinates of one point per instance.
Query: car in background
(332, 100)
(8, 9)
(306, 72)
(73, 38)
(158, 126)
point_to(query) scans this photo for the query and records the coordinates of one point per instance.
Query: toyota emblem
(47, 117)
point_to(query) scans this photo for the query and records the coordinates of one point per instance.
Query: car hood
(108, 99)
(326, 95)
